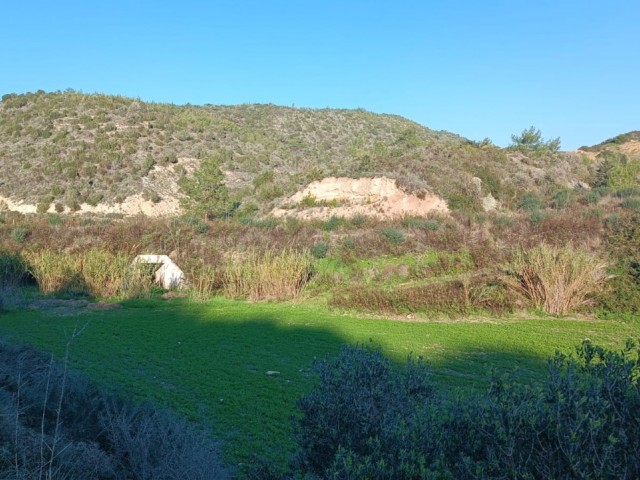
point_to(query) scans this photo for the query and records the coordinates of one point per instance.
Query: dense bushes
(358, 406)
(366, 420)
(55, 424)
(467, 247)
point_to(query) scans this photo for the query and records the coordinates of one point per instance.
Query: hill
(617, 160)
(69, 148)
(626, 143)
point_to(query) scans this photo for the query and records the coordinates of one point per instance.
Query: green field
(210, 360)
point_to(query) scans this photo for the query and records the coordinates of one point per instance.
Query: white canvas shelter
(168, 275)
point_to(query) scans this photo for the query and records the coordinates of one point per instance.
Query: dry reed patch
(95, 272)
(557, 280)
(268, 275)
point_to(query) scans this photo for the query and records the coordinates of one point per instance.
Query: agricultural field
(211, 361)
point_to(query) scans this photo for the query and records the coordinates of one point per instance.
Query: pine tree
(206, 195)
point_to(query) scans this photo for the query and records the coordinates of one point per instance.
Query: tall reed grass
(13, 269)
(557, 280)
(95, 272)
(268, 275)
(203, 281)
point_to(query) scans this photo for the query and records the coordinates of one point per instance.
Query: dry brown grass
(95, 272)
(557, 280)
(268, 275)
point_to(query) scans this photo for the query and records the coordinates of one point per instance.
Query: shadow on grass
(240, 367)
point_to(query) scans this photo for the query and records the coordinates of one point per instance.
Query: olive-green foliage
(393, 235)
(319, 250)
(358, 403)
(530, 202)
(206, 194)
(617, 171)
(421, 223)
(562, 199)
(20, 234)
(531, 140)
(85, 148)
(622, 237)
(366, 420)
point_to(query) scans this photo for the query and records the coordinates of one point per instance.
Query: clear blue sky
(479, 68)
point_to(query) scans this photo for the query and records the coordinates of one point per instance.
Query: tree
(531, 140)
(205, 193)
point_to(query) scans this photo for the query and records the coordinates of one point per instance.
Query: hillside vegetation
(70, 148)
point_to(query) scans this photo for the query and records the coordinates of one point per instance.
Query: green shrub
(628, 192)
(264, 223)
(632, 204)
(19, 234)
(557, 280)
(94, 198)
(536, 217)
(394, 236)
(202, 227)
(530, 202)
(421, 223)
(580, 423)
(464, 201)
(365, 419)
(55, 220)
(593, 196)
(358, 221)
(562, 199)
(308, 201)
(332, 224)
(622, 238)
(504, 221)
(43, 206)
(360, 402)
(319, 250)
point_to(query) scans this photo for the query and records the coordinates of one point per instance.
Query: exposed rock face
(377, 197)
(489, 203)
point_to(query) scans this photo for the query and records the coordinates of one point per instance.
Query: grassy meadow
(210, 360)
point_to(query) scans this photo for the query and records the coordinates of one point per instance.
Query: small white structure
(168, 275)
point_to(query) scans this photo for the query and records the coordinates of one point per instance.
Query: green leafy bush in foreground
(360, 399)
(366, 419)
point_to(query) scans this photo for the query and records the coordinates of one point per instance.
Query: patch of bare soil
(377, 197)
(631, 147)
